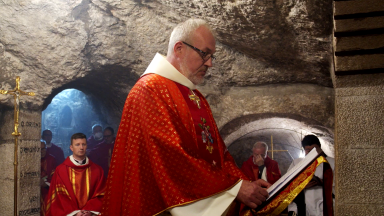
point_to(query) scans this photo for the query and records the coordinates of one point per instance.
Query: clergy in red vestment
(260, 166)
(95, 138)
(102, 153)
(53, 149)
(78, 185)
(48, 165)
(168, 154)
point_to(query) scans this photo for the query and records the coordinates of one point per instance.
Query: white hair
(184, 31)
(259, 145)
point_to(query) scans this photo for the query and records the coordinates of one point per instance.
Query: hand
(259, 161)
(84, 213)
(252, 194)
(316, 181)
(42, 183)
(263, 183)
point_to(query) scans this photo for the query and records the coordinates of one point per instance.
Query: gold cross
(16, 95)
(275, 150)
(195, 98)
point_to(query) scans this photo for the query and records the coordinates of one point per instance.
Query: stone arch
(287, 130)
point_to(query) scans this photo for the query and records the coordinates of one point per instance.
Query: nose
(208, 63)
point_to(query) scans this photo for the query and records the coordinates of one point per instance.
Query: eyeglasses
(204, 55)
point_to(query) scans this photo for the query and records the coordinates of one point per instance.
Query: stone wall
(359, 78)
(28, 163)
(266, 50)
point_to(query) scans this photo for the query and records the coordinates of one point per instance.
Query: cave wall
(272, 57)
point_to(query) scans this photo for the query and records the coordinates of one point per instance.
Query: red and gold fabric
(48, 166)
(159, 161)
(288, 194)
(75, 187)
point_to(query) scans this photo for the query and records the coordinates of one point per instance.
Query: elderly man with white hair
(260, 166)
(168, 154)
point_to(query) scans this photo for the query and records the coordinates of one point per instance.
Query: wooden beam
(359, 43)
(359, 62)
(368, 23)
(357, 6)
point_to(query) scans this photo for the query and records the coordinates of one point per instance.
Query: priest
(96, 137)
(168, 154)
(52, 148)
(77, 186)
(311, 200)
(48, 166)
(260, 166)
(101, 154)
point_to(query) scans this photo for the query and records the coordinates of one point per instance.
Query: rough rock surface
(86, 44)
(274, 59)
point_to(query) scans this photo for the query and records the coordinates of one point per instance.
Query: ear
(70, 147)
(178, 48)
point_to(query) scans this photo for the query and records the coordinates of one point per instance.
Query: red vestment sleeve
(155, 164)
(273, 171)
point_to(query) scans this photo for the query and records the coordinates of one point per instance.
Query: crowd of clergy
(98, 150)
(169, 156)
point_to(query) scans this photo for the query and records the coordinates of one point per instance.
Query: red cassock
(48, 165)
(167, 152)
(75, 188)
(56, 152)
(252, 171)
(101, 155)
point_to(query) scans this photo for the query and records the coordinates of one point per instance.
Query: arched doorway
(284, 131)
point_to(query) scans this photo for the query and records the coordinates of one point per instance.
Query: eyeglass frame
(203, 54)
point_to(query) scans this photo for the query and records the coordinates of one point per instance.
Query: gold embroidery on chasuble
(80, 179)
(203, 125)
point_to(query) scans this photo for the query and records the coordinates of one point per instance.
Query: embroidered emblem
(195, 99)
(205, 135)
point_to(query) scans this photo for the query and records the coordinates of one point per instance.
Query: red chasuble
(75, 188)
(166, 154)
(252, 171)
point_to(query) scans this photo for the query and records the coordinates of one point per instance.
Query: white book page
(292, 173)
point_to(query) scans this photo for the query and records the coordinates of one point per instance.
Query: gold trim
(185, 203)
(73, 180)
(292, 195)
(88, 172)
(16, 95)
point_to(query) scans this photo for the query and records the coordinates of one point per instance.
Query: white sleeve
(73, 213)
(292, 207)
(212, 206)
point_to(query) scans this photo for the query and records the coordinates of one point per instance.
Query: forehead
(107, 132)
(259, 151)
(97, 128)
(47, 133)
(79, 140)
(312, 146)
(204, 40)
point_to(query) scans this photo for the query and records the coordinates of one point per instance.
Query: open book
(292, 173)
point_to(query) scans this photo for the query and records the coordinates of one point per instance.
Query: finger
(251, 205)
(263, 192)
(262, 183)
(257, 199)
